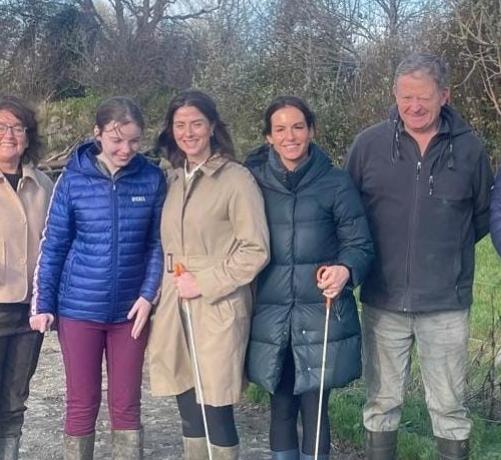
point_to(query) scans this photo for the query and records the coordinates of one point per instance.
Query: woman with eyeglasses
(99, 272)
(24, 197)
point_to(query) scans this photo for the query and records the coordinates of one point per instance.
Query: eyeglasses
(17, 130)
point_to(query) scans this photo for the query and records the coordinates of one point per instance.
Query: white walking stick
(178, 270)
(328, 302)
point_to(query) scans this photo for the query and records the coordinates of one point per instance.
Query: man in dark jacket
(425, 181)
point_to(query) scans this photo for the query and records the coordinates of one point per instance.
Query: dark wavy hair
(27, 116)
(281, 102)
(220, 141)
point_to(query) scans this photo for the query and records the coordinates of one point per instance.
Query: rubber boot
(312, 457)
(79, 447)
(9, 448)
(380, 445)
(127, 444)
(195, 449)
(225, 453)
(292, 454)
(449, 449)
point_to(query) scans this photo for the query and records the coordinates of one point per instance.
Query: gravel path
(42, 438)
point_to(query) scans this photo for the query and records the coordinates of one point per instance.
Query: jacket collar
(214, 164)
(259, 162)
(29, 172)
(209, 168)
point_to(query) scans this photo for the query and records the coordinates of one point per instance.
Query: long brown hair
(220, 141)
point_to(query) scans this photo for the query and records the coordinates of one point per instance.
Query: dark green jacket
(315, 218)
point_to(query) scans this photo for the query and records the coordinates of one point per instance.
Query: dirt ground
(42, 437)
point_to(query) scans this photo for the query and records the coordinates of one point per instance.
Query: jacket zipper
(413, 217)
(293, 248)
(412, 226)
(114, 253)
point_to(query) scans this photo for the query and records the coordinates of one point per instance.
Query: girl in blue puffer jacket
(98, 273)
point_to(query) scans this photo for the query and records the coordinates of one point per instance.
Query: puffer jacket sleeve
(496, 214)
(247, 216)
(56, 242)
(356, 250)
(154, 255)
(482, 195)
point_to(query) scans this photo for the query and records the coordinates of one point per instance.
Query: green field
(484, 386)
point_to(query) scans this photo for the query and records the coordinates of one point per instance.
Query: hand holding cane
(328, 304)
(178, 271)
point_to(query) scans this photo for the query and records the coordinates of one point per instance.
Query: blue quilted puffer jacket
(101, 246)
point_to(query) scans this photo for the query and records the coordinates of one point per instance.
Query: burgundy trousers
(83, 344)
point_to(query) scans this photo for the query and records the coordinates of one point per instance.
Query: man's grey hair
(435, 66)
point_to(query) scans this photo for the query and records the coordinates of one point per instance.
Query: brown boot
(449, 449)
(79, 447)
(225, 453)
(127, 444)
(195, 449)
(9, 448)
(380, 445)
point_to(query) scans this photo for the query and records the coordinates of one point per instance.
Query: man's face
(419, 100)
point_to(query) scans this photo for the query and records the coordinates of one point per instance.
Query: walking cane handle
(179, 269)
(320, 274)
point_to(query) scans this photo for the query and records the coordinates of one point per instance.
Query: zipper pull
(336, 310)
(418, 170)
(430, 183)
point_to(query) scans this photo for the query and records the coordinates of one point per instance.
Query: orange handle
(320, 273)
(179, 269)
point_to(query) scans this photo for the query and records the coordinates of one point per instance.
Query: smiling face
(13, 143)
(419, 101)
(290, 136)
(192, 132)
(119, 143)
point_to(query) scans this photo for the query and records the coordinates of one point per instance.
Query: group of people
(214, 266)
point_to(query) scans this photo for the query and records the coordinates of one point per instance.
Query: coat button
(303, 331)
(309, 369)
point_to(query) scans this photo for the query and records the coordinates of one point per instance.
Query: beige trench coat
(216, 227)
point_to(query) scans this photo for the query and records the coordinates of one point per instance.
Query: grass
(416, 437)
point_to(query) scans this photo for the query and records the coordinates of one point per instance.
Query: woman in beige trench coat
(213, 223)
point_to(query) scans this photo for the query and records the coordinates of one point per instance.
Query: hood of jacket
(83, 160)
(451, 126)
(270, 172)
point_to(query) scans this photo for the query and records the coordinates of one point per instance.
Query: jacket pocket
(2, 262)
(69, 271)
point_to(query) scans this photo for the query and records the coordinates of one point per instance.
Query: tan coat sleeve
(247, 216)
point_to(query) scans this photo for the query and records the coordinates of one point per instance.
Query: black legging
(220, 420)
(285, 407)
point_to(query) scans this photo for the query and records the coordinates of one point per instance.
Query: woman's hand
(186, 285)
(141, 310)
(41, 322)
(333, 280)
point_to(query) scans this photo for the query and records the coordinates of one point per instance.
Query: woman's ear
(97, 132)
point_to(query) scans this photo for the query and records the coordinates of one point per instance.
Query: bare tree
(479, 33)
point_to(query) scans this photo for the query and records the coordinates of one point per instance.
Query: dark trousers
(18, 361)
(220, 420)
(83, 344)
(285, 407)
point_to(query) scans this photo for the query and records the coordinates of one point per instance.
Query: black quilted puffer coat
(315, 218)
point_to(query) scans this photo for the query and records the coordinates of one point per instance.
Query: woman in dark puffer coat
(316, 219)
(496, 214)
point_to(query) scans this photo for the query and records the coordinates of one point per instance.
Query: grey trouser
(442, 348)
